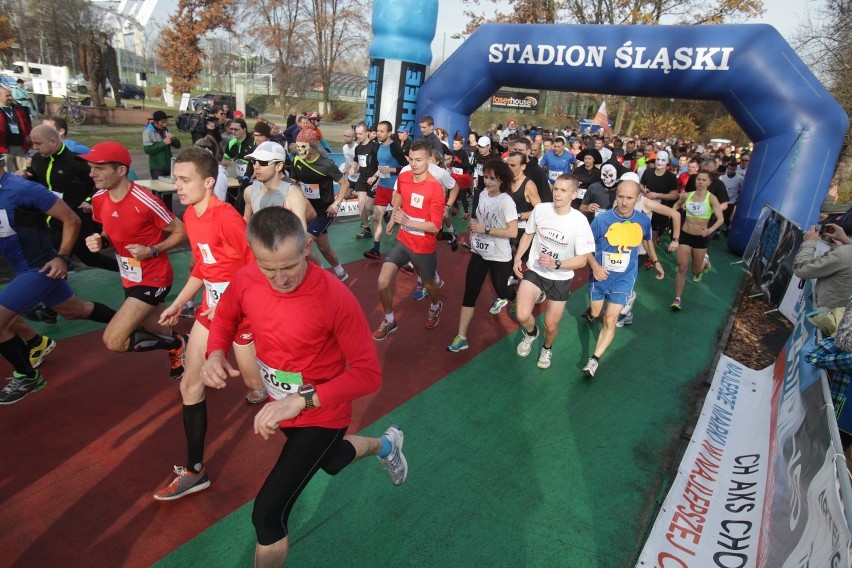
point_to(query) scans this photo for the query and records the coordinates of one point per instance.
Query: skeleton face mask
(662, 159)
(608, 175)
(303, 148)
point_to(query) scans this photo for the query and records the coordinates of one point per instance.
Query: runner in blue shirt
(557, 161)
(618, 233)
(39, 275)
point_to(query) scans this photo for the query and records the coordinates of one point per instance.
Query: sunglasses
(263, 163)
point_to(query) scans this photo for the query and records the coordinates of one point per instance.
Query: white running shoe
(591, 368)
(525, 346)
(544, 358)
(395, 463)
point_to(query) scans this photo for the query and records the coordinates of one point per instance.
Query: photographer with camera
(832, 270)
(213, 120)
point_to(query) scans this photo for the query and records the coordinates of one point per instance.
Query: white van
(39, 77)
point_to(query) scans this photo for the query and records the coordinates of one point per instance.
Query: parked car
(128, 91)
(210, 99)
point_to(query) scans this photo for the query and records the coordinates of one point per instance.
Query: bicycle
(72, 112)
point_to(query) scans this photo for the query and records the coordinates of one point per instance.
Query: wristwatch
(154, 252)
(487, 230)
(558, 264)
(307, 392)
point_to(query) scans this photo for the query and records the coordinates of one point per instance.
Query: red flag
(602, 120)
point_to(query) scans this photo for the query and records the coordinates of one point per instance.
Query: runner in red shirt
(133, 222)
(313, 370)
(418, 208)
(217, 237)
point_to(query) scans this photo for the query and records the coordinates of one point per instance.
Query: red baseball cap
(106, 152)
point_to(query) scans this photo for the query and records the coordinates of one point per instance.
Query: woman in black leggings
(490, 233)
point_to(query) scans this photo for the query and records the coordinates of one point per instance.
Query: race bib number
(240, 167)
(130, 268)
(362, 161)
(417, 200)
(554, 254)
(479, 243)
(458, 171)
(478, 170)
(214, 292)
(206, 254)
(615, 262)
(13, 128)
(696, 209)
(6, 229)
(581, 193)
(311, 190)
(279, 384)
(384, 175)
(553, 175)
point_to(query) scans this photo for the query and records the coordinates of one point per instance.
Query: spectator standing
(158, 142)
(15, 127)
(832, 271)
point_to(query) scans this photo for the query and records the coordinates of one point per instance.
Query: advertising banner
(515, 100)
(760, 484)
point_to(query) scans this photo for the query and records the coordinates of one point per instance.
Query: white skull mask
(303, 148)
(608, 175)
(662, 159)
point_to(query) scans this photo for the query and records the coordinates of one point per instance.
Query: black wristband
(64, 257)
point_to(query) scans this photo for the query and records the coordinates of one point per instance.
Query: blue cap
(403, 128)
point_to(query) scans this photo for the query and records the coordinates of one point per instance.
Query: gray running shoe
(20, 386)
(498, 305)
(186, 483)
(256, 396)
(395, 463)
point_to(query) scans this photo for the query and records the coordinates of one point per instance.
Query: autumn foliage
(179, 49)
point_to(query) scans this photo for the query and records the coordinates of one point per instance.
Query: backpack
(187, 121)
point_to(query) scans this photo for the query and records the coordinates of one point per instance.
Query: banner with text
(758, 485)
(515, 100)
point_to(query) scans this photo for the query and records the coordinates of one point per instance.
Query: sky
(785, 15)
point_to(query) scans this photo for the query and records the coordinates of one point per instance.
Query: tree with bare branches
(281, 29)
(339, 27)
(826, 46)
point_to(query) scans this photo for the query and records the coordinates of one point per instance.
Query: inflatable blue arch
(795, 123)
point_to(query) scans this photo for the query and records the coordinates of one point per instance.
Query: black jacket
(63, 173)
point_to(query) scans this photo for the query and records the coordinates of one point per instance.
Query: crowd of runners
(536, 207)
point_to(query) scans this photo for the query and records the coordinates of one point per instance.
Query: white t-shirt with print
(560, 236)
(494, 212)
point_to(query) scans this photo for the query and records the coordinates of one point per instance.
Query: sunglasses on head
(263, 163)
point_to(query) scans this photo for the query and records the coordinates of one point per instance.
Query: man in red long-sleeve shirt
(316, 356)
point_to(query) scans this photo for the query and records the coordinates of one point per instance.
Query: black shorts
(370, 190)
(556, 290)
(148, 294)
(694, 241)
(400, 255)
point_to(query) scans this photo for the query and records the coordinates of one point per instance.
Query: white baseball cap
(629, 176)
(269, 151)
(483, 141)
